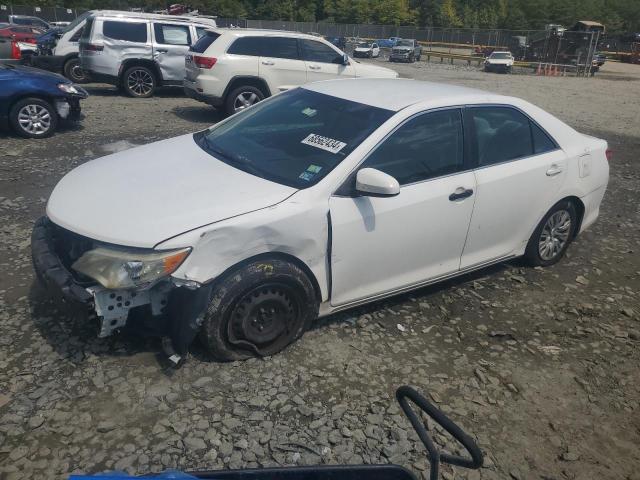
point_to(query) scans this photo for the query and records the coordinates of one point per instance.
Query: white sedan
(318, 199)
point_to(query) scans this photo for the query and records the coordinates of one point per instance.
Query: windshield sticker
(306, 176)
(310, 112)
(314, 168)
(324, 143)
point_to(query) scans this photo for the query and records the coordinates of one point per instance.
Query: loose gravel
(540, 365)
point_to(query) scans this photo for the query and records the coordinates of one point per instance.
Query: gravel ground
(541, 365)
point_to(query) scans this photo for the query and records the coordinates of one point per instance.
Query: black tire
(258, 310)
(29, 128)
(533, 254)
(73, 71)
(246, 90)
(139, 82)
(412, 58)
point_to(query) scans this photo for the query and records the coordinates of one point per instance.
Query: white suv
(236, 68)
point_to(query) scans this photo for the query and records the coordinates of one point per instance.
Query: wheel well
(281, 256)
(138, 62)
(579, 206)
(256, 82)
(46, 98)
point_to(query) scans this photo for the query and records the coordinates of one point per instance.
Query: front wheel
(553, 235)
(139, 82)
(33, 118)
(258, 310)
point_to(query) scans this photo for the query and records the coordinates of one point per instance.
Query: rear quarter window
(127, 31)
(251, 46)
(205, 41)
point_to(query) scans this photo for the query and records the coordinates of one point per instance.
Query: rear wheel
(241, 98)
(553, 235)
(139, 82)
(73, 71)
(258, 310)
(33, 118)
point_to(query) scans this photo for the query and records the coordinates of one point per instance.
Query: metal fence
(50, 14)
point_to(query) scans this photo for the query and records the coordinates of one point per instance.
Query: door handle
(460, 193)
(162, 50)
(554, 170)
(267, 62)
(314, 67)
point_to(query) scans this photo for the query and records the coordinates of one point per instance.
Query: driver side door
(381, 245)
(323, 62)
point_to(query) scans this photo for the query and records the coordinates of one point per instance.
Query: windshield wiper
(242, 163)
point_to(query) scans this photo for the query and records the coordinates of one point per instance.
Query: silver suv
(139, 52)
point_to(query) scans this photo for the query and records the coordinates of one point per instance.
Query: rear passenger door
(171, 44)
(520, 171)
(280, 64)
(323, 62)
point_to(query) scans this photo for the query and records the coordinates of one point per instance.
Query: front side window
(428, 146)
(127, 31)
(172, 34)
(280, 47)
(251, 46)
(295, 138)
(505, 134)
(313, 51)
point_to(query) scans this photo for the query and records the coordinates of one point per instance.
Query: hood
(363, 49)
(403, 48)
(499, 61)
(148, 194)
(36, 72)
(374, 71)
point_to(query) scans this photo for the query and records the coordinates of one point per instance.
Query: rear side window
(313, 51)
(127, 31)
(505, 134)
(172, 34)
(502, 133)
(204, 41)
(246, 46)
(280, 47)
(541, 141)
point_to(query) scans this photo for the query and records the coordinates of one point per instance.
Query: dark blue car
(33, 101)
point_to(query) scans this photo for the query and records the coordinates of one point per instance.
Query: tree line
(617, 15)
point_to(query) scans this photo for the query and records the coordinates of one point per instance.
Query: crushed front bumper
(165, 309)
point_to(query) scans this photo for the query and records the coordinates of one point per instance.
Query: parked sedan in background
(33, 102)
(406, 50)
(366, 49)
(313, 201)
(21, 33)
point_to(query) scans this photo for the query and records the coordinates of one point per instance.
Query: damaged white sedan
(321, 198)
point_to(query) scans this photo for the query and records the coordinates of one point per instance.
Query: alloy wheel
(245, 100)
(140, 82)
(34, 119)
(554, 235)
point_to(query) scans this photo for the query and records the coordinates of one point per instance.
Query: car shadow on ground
(105, 90)
(73, 336)
(199, 114)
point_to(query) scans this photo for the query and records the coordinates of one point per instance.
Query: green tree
(448, 16)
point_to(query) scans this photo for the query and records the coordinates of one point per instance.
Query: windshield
(295, 138)
(500, 55)
(75, 23)
(364, 45)
(404, 43)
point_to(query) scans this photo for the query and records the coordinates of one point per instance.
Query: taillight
(15, 51)
(609, 153)
(204, 62)
(92, 47)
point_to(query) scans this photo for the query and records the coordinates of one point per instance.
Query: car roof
(398, 93)
(154, 16)
(247, 32)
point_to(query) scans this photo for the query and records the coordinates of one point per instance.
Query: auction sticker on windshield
(324, 143)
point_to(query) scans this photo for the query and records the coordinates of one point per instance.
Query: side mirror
(345, 59)
(374, 183)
